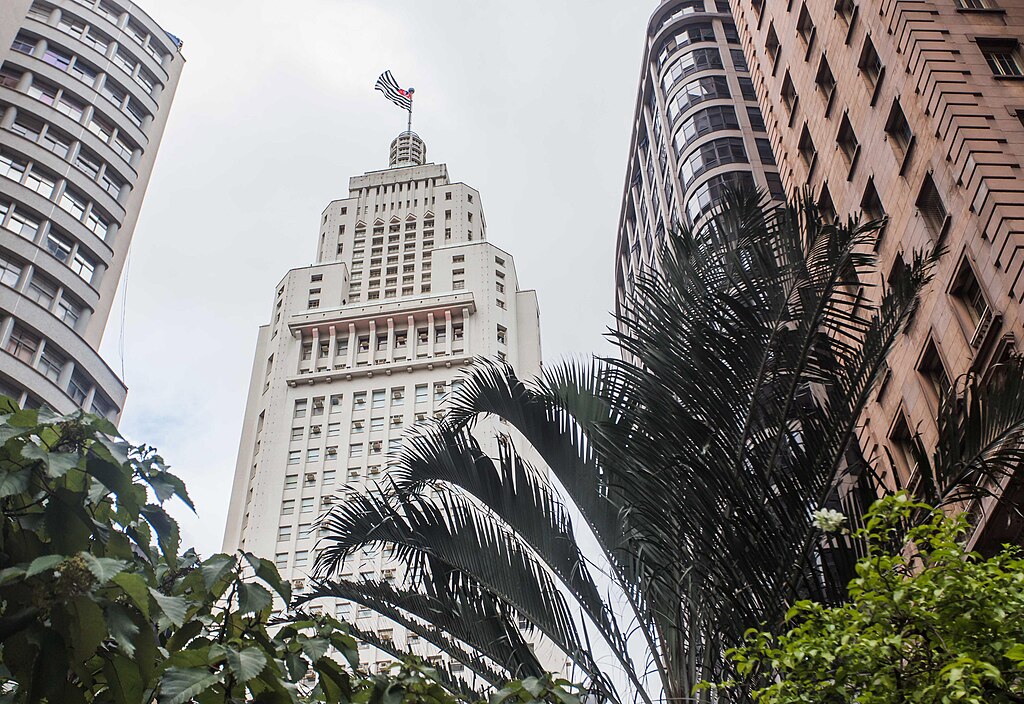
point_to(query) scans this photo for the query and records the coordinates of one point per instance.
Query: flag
(387, 85)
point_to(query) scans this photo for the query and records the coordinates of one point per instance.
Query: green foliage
(533, 690)
(929, 624)
(97, 604)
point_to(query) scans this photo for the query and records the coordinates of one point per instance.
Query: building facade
(697, 130)
(362, 345)
(913, 113)
(85, 91)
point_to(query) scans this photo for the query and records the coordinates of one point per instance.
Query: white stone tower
(363, 344)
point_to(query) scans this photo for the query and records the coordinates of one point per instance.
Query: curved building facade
(697, 130)
(85, 89)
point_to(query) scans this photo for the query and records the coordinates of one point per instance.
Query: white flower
(828, 521)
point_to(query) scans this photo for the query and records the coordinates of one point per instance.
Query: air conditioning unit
(310, 477)
(421, 416)
(984, 326)
(396, 420)
(439, 388)
(298, 584)
(328, 501)
(397, 395)
(314, 430)
(332, 450)
(375, 445)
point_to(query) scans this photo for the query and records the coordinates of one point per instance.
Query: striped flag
(387, 85)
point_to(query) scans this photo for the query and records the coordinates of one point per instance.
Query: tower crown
(408, 150)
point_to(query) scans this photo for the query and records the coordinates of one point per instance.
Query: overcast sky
(529, 101)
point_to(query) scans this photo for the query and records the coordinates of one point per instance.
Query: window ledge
(1008, 78)
(981, 10)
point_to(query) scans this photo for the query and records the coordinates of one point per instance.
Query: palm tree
(693, 466)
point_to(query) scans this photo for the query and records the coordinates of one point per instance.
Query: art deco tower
(912, 112)
(364, 344)
(85, 91)
(697, 130)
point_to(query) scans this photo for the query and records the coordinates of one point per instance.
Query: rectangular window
(291, 481)
(313, 455)
(934, 371)
(23, 344)
(301, 558)
(806, 146)
(870, 63)
(847, 140)
(379, 398)
(41, 290)
(789, 97)
(297, 433)
(333, 430)
(300, 408)
(355, 450)
(897, 128)
(805, 26)
(421, 393)
(294, 457)
(287, 507)
(930, 206)
(281, 559)
(307, 505)
(1003, 57)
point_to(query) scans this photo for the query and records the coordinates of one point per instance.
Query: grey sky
(529, 101)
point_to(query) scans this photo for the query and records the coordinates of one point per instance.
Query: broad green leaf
(174, 607)
(166, 528)
(87, 626)
(1016, 653)
(135, 587)
(103, 568)
(246, 664)
(11, 574)
(124, 680)
(314, 648)
(179, 686)
(57, 463)
(42, 564)
(252, 598)
(214, 569)
(268, 572)
(14, 482)
(122, 628)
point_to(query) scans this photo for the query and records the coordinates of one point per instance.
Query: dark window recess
(756, 119)
(789, 97)
(764, 151)
(930, 206)
(934, 371)
(806, 147)
(898, 129)
(847, 140)
(870, 63)
(826, 207)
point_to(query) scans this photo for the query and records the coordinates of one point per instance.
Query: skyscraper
(362, 345)
(697, 130)
(912, 112)
(85, 90)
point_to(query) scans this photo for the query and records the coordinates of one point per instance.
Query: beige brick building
(911, 111)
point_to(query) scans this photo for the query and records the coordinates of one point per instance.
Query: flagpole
(410, 119)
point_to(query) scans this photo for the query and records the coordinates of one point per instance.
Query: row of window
(149, 43)
(14, 218)
(692, 34)
(88, 75)
(65, 102)
(376, 399)
(44, 356)
(41, 289)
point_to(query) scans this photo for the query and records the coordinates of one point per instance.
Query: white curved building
(85, 89)
(697, 129)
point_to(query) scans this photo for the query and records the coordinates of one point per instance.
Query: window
(934, 371)
(297, 433)
(69, 311)
(83, 266)
(23, 44)
(284, 533)
(9, 78)
(10, 272)
(78, 387)
(291, 481)
(900, 136)
(281, 558)
(826, 206)
(825, 81)
(41, 290)
(906, 447)
(21, 224)
(51, 363)
(73, 203)
(713, 119)
(355, 450)
(847, 140)
(313, 455)
(806, 146)
(847, 10)
(306, 505)
(421, 393)
(930, 206)
(972, 300)
(301, 406)
(772, 45)
(295, 456)
(870, 64)
(789, 97)
(301, 556)
(727, 150)
(871, 204)
(1003, 57)
(709, 193)
(58, 59)
(805, 26)
(287, 507)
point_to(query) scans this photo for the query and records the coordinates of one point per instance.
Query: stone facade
(911, 112)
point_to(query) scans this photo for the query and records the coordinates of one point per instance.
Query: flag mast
(411, 92)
